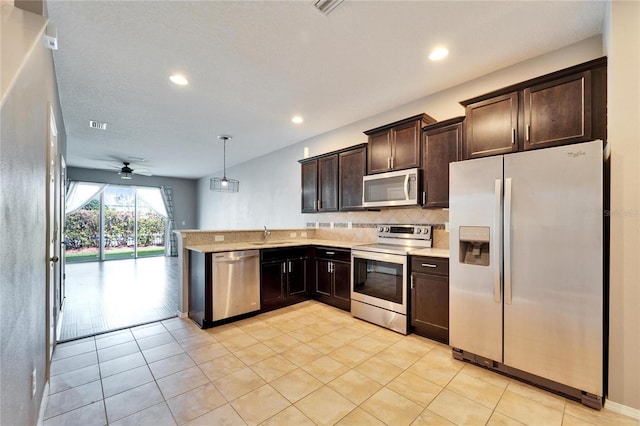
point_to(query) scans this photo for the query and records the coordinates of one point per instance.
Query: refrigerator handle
(495, 244)
(507, 241)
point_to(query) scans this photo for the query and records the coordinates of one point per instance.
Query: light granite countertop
(256, 245)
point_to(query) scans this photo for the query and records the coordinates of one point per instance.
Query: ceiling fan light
(125, 175)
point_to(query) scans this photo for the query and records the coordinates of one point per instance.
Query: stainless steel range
(379, 275)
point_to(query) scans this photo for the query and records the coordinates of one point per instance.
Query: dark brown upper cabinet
(567, 106)
(333, 181)
(442, 144)
(396, 146)
(352, 168)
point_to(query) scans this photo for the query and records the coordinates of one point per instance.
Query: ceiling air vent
(326, 6)
(98, 125)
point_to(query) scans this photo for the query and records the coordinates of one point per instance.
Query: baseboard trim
(181, 314)
(622, 409)
(43, 404)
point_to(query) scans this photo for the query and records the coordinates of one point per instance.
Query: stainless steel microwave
(391, 189)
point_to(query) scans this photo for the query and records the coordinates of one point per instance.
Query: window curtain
(154, 199)
(80, 193)
(170, 237)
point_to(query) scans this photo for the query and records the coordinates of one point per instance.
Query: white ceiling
(252, 65)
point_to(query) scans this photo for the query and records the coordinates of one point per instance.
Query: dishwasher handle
(235, 256)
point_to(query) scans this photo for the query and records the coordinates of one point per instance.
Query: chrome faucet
(266, 234)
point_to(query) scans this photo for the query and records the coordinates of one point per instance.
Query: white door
(53, 231)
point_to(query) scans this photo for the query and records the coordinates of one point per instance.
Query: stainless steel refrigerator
(526, 266)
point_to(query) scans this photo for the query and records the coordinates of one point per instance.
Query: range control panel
(409, 232)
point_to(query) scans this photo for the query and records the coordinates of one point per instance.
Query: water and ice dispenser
(474, 245)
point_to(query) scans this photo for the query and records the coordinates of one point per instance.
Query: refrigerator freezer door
(475, 299)
(553, 326)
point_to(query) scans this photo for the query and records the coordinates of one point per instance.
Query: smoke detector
(326, 6)
(100, 125)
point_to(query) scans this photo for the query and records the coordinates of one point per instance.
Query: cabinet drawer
(333, 254)
(430, 265)
(281, 254)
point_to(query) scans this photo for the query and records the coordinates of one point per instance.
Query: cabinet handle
(411, 282)
(513, 136)
(319, 204)
(392, 162)
(429, 265)
(424, 197)
(289, 266)
(328, 267)
(284, 267)
(388, 162)
(333, 267)
(331, 253)
(315, 204)
(528, 132)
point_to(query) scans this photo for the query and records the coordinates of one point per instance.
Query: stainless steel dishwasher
(236, 283)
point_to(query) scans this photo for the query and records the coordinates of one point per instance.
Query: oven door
(380, 280)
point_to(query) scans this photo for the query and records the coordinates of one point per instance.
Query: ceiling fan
(126, 172)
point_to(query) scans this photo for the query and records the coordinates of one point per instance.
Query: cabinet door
(328, 184)
(558, 112)
(379, 152)
(492, 127)
(430, 306)
(352, 167)
(271, 283)
(342, 280)
(296, 276)
(441, 147)
(323, 277)
(405, 144)
(309, 186)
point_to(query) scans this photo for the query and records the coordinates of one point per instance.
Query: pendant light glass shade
(224, 184)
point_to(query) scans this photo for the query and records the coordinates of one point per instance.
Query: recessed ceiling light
(297, 119)
(179, 80)
(438, 53)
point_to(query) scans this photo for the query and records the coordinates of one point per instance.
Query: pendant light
(224, 184)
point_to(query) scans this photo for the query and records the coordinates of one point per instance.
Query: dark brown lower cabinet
(430, 298)
(333, 277)
(283, 277)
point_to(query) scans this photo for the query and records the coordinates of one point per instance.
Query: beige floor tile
(181, 382)
(459, 410)
(325, 344)
(259, 405)
(428, 369)
(65, 350)
(288, 326)
(391, 407)
(325, 369)
(158, 415)
(222, 366)
(238, 342)
(540, 396)
(485, 375)
(281, 343)
(221, 416)
(308, 319)
(387, 336)
(72, 363)
(305, 334)
(288, 416)
(359, 417)
(296, 385)
(126, 380)
(254, 354)
(207, 353)
(527, 411)
(225, 332)
(195, 403)
(148, 330)
(239, 383)
(273, 367)
(355, 387)
(71, 399)
(137, 399)
(476, 390)
(115, 338)
(349, 356)
(369, 345)
(398, 357)
(441, 356)
(74, 378)
(301, 354)
(185, 333)
(162, 351)
(171, 365)
(498, 419)
(417, 344)
(603, 417)
(345, 335)
(89, 415)
(264, 332)
(429, 418)
(194, 342)
(415, 388)
(117, 351)
(176, 323)
(379, 370)
(325, 406)
(155, 340)
(121, 364)
(325, 326)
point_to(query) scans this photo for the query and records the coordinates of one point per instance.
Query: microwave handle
(406, 186)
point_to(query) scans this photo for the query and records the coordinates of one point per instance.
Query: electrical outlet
(219, 238)
(446, 226)
(303, 234)
(33, 382)
(349, 225)
(331, 224)
(292, 235)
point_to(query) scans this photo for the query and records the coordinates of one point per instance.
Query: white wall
(270, 185)
(622, 40)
